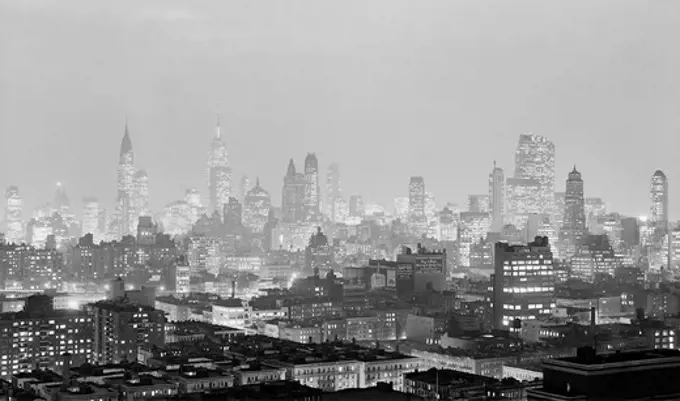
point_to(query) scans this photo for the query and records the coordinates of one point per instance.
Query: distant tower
(574, 225)
(496, 198)
(13, 220)
(256, 209)
(535, 159)
(90, 223)
(219, 172)
(312, 200)
(61, 203)
(416, 204)
(659, 197)
(125, 218)
(246, 186)
(141, 194)
(293, 195)
(332, 188)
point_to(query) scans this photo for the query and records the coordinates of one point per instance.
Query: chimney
(593, 327)
(66, 371)
(233, 289)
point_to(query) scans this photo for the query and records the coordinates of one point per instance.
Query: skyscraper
(219, 173)
(312, 200)
(246, 186)
(61, 203)
(535, 159)
(658, 194)
(140, 195)
(574, 224)
(356, 206)
(124, 219)
(523, 200)
(90, 223)
(293, 195)
(416, 205)
(332, 188)
(496, 198)
(479, 203)
(256, 209)
(13, 221)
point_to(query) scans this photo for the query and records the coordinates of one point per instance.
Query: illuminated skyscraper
(333, 190)
(312, 201)
(574, 225)
(193, 198)
(256, 209)
(401, 208)
(293, 195)
(219, 173)
(90, 223)
(141, 195)
(61, 203)
(496, 198)
(416, 205)
(13, 221)
(535, 159)
(246, 186)
(124, 218)
(658, 194)
(595, 209)
(523, 199)
(479, 203)
(472, 227)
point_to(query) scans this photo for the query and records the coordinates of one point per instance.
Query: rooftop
(122, 306)
(587, 356)
(449, 378)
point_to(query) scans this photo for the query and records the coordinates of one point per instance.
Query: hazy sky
(386, 88)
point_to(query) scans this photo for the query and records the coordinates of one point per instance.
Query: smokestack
(66, 371)
(233, 289)
(593, 326)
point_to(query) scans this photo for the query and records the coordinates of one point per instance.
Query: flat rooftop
(622, 357)
(449, 378)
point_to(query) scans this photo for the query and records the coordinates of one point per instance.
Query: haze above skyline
(388, 89)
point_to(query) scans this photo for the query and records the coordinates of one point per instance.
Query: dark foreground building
(638, 375)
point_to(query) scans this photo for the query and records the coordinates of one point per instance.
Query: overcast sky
(386, 88)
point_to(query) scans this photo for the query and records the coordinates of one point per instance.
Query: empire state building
(219, 173)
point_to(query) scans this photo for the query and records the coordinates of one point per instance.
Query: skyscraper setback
(658, 194)
(219, 172)
(535, 159)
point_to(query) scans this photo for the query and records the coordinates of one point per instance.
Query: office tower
(90, 224)
(430, 207)
(479, 203)
(416, 205)
(61, 203)
(472, 228)
(318, 254)
(574, 224)
(246, 186)
(356, 206)
(233, 215)
(340, 210)
(293, 195)
(595, 209)
(523, 283)
(121, 327)
(333, 190)
(630, 232)
(219, 172)
(535, 159)
(193, 199)
(13, 208)
(401, 208)
(256, 209)
(658, 194)
(496, 198)
(594, 256)
(523, 199)
(38, 336)
(448, 225)
(141, 194)
(124, 216)
(312, 200)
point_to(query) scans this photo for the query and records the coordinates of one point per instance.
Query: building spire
(218, 128)
(126, 144)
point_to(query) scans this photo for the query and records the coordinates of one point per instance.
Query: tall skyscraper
(246, 186)
(574, 224)
(333, 190)
(496, 198)
(293, 195)
(90, 223)
(523, 283)
(312, 201)
(256, 209)
(219, 173)
(535, 159)
(416, 205)
(523, 199)
(61, 203)
(13, 220)
(124, 219)
(658, 195)
(140, 195)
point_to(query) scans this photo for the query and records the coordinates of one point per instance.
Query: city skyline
(177, 106)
